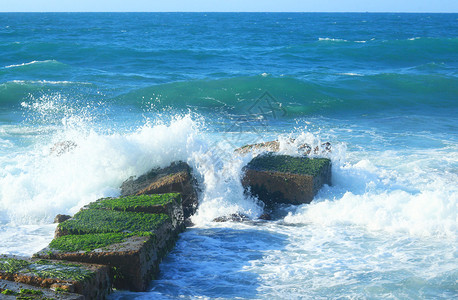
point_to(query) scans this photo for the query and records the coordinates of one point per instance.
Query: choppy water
(135, 91)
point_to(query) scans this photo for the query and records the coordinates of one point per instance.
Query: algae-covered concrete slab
(105, 221)
(10, 290)
(286, 179)
(122, 233)
(168, 204)
(90, 280)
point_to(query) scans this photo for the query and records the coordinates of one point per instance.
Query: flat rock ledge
(49, 279)
(286, 179)
(128, 234)
(10, 290)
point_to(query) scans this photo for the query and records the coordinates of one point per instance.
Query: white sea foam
(35, 185)
(223, 193)
(351, 74)
(331, 40)
(63, 82)
(25, 240)
(381, 200)
(31, 63)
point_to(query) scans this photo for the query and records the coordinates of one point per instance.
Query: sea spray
(380, 199)
(223, 193)
(37, 184)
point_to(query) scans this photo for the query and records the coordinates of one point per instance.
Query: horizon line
(337, 12)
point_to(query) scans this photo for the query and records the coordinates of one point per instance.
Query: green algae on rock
(12, 265)
(105, 221)
(139, 203)
(286, 179)
(129, 234)
(91, 281)
(288, 164)
(45, 269)
(10, 290)
(89, 242)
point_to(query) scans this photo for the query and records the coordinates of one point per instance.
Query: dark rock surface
(286, 179)
(61, 218)
(176, 178)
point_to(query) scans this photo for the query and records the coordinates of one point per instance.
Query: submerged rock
(176, 178)
(286, 179)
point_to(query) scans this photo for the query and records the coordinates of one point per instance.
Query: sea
(88, 100)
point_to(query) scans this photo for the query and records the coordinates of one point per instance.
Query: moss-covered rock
(89, 242)
(131, 234)
(89, 280)
(176, 178)
(288, 164)
(286, 179)
(106, 221)
(10, 290)
(142, 203)
(133, 258)
(169, 204)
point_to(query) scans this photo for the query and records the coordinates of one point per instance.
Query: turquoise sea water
(139, 90)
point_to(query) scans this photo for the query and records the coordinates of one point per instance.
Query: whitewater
(138, 91)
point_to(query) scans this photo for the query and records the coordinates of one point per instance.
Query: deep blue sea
(135, 91)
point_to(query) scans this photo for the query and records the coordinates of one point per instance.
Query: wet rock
(176, 178)
(232, 218)
(13, 290)
(266, 217)
(90, 280)
(129, 234)
(286, 179)
(61, 218)
(274, 146)
(62, 147)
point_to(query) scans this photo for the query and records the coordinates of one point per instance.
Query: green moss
(133, 202)
(26, 294)
(89, 242)
(30, 292)
(289, 164)
(105, 221)
(46, 269)
(61, 271)
(12, 265)
(7, 292)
